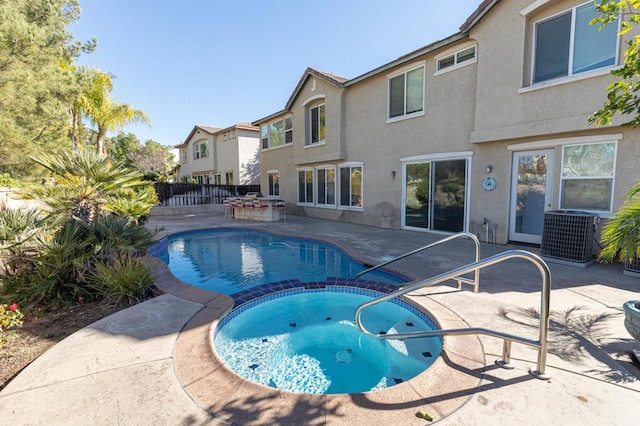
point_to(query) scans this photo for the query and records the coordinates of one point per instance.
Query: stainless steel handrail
(475, 282)
(505, 362)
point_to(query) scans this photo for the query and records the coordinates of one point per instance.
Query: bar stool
(247, 204)
(259, 206)
(228, 208)
(280, 210)
(236, 205)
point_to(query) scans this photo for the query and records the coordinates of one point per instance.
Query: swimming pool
(306, 341)
(230, 260)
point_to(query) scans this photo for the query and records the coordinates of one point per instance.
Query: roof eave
(408, 57)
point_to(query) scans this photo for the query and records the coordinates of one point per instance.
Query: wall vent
(568, 236)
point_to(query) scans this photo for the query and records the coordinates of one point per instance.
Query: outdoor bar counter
(264, 209)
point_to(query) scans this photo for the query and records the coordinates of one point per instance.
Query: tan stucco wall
(482, 108)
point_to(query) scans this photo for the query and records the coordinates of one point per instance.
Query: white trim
(407, 68)
(350, 164)
(336, 182)
(313, 187)
(454, 53)
(313, 145)
(429, 157)
(314, 98)
(457, 66)
(405, 117)
(567, 79)
(577, 140)
(533, 6)
(455, 49)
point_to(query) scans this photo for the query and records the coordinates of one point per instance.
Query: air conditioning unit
(567, 237)
(632, 268)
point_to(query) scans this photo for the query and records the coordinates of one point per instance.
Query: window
(228, 176)
(351, 186)
(277, 133)
(264, 136)
(184, 156)
(566, 44)
(201, 179)
(460, 57)
(316, 125)
(288, 130)
(406, 93)
(587, 176)
(200, 150)
(326, 186)
(274, 182)
(217, 179)
(305, 186)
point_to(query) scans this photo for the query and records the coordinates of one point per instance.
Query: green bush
(124, 279)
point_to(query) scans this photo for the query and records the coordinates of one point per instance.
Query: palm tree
(105, 112)
(621, 234)
(89, 185)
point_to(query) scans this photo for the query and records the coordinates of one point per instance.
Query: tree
(106, 113)
(34, 88)
(122, 146)
(153, 160)
(622, 95)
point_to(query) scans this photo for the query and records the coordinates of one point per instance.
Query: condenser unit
(567, 237)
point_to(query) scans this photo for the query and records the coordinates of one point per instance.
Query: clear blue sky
(217, 63)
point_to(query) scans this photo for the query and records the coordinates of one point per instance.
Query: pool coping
(443, 388)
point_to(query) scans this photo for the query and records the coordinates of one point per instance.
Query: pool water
(228, 261)
(306, 341)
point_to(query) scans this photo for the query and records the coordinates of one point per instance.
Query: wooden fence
(193, 194)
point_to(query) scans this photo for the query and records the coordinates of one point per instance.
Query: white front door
(531, 192)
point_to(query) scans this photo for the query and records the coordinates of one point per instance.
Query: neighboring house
(228, 156)
(486, 126)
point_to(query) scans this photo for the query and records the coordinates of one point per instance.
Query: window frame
(198, 153)
(266, 133)
(308, 171)
(273, 183)
(404, 72)
(612, 178)
(228, 178)
(570, 75)
(321, 125)
(457, 64)
(349, 166)
(325, 204)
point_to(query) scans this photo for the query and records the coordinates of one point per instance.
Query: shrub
(124, 279)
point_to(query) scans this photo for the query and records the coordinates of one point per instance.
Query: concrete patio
(153, 364)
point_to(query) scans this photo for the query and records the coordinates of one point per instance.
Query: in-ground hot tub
(306, 341)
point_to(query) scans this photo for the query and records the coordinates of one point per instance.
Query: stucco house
(484, 130)
(228, 156)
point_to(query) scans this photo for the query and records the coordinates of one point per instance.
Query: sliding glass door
(435, 195)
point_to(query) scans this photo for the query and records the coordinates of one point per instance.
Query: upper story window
(200, 150)
(406, 93)
(316, 124)
(588, 172)
(463, 56)
(184, 156)
(566, 44)
(277, 133)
